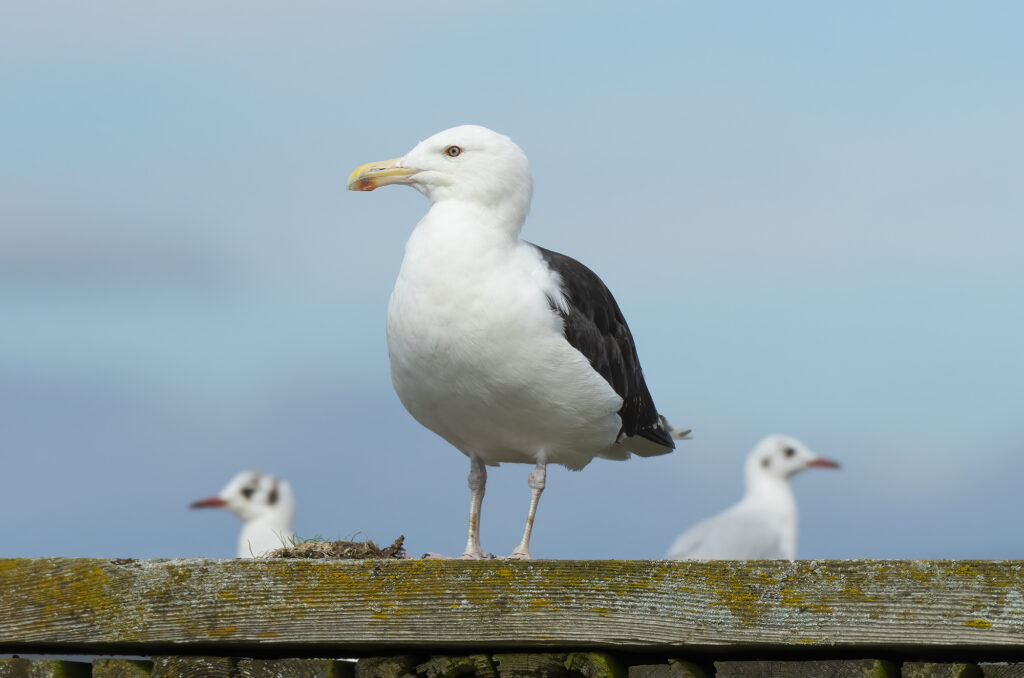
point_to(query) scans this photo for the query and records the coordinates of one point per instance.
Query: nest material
(342, 550)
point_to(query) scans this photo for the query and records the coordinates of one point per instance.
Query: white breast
(761, 525)
(478, 356)
(258, 537)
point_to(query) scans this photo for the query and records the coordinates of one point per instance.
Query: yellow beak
(374, 174)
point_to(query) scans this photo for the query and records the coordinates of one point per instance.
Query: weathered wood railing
(501, 618)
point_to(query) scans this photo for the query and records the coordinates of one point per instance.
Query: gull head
(779, 457)
(252, 495)
(468, 163)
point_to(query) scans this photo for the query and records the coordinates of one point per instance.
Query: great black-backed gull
(509, 351)
(264, 504)
(763, 524)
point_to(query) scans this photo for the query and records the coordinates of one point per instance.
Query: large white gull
(509, 351)
(763, 525)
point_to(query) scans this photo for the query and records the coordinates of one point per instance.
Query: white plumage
(763, 525)
(468, 322)
(510, 352)
(264, 504)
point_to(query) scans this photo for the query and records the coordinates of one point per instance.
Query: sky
(810, 214)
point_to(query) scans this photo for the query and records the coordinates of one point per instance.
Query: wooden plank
(332, 608)
(851, 668)
(42, 668)
(939, 670)
(595, 665)
(1003, 670)
(394, 666)
(674, 669)
(121, 668)
(444, 666)
(194, 667)
(294, 668)
(530, 665)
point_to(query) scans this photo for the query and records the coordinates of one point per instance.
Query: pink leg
(536, 483)
(477, 482)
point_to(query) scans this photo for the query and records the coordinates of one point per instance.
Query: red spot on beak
(209, 502)
(822, 463)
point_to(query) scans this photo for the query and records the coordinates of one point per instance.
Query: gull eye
(453, 151)
(247, 492)
(789, 451)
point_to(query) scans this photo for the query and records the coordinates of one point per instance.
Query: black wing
(594, 325)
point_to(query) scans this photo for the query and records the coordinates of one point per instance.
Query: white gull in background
(509, 351)
(763, 525)
(264, 504)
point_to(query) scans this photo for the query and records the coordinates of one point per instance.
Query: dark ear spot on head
(766, 462)
(272, 497)
(789, 451)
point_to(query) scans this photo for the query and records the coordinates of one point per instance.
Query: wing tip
(673, 432)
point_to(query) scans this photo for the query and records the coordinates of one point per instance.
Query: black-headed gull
(265, 505)
(763, 525)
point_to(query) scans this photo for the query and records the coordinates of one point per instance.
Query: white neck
(456, 236)
(773, 491)
(472, 218)
(773, 500)
(264, 534)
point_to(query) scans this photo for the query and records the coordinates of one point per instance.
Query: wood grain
(595, 665)
(393, 666)
(194, 667)
(334, 607)
(936, 670)
(42, 668)
(1002, 670)
(674, 669)
(294, 668)
(832, 668)
(121, 668)
(531, 665)
(444, 666)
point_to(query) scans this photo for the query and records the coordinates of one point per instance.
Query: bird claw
(519, 555)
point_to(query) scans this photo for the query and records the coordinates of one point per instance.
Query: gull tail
(676, 433)
(653, 440)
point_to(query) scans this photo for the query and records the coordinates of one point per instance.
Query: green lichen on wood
(595, 665)
(675, 668)
(687, 669)
(495, 605)
(396, 666)
(42, 668)
(194, 667)
(121, 668)
(294, 668)
(828, 668)
(939, 670)
(453, 667)
(530, 664)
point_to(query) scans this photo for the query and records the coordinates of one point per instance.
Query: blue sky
(811, 215)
